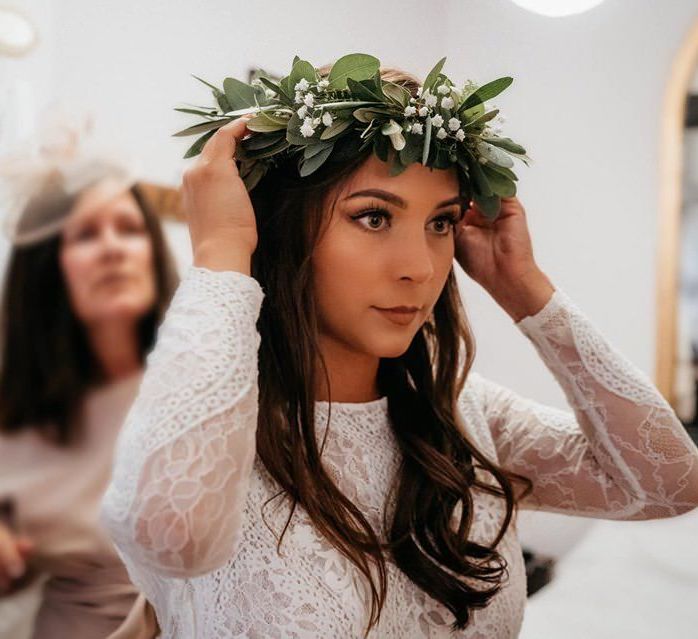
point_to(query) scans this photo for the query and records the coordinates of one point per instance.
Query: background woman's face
(392, 247)
(107, 258)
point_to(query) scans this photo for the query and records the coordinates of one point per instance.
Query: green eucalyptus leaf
(317, 147)
(239, 94)
(262, 141)
(480, 182)
(283, 96)
(433, 75)
(412, 151)
(500, 185)
(508, 173)
(471, 114)
(358, 66)
(486, 92)
(313, 163)
(397, 93)
(479, 121)
(507, 144)
(337, 127)
(264, 124)
(494, 154)
(196, 148)
(202, 127)
(203, 111)
(301, 69)
(256, 154)
(366, 114)
(361, 91)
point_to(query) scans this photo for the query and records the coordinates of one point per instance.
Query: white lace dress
(184, 503)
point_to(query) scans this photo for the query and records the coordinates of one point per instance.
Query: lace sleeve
(185, 452)
(622, 454)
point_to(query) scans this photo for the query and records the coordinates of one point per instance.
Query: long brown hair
(47, 363)
(437, 473)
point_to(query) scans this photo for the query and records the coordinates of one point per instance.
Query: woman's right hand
(219, 211)
(14, 551)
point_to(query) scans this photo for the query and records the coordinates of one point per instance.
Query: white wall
(586, 102)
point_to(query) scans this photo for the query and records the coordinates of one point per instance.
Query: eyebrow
(398, 201)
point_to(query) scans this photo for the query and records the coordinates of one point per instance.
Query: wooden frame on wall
(671, 205)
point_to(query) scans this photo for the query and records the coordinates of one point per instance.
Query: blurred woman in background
(88, 280)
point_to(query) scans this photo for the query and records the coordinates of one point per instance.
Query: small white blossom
(316, 121)
(441, 134)
(324, 83)
(417, 128)
(437, 120)
(454, 124)
(327, 118)
(430, 100)
(270, 93)
(307, 129)
(302, 112)
(299, 97)
(309, 99)
(412, 100)
(444, 89)
(423, 112)
(460, 135)
(447, 102)
(410, 110)
(419, 92)
(302, 85)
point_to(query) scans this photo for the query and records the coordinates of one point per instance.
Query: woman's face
(107, 257)
(389, 244)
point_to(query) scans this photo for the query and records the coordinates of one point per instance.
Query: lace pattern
(184, 505)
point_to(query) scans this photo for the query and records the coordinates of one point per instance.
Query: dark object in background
(539, 571)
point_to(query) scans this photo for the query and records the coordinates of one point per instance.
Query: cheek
(77, 264)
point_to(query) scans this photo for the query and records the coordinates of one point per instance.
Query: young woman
(309, 456)
(79, 312)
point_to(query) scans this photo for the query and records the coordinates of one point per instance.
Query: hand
(498, 255)
(219, 211)
(14, 551)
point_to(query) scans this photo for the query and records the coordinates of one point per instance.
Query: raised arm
(175, 503)
(622, 453)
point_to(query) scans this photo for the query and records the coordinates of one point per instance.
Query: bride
(309, 454)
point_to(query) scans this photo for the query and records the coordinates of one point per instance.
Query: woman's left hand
(498, 255)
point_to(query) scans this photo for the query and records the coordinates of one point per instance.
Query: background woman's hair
(437, 476)
(46, 361)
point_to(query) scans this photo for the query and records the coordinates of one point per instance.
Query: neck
(116, 347)
(352, 376)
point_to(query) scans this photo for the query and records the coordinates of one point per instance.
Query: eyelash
(384, 213)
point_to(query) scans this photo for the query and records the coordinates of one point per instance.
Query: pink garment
(57, 492)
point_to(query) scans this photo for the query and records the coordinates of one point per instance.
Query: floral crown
(303, 115)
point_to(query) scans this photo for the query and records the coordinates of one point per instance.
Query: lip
(113, 278)
(401, 315)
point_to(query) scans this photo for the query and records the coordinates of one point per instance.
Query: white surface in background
(625, 580)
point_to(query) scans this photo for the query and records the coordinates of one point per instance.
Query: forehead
(417, 184)
(104, 200)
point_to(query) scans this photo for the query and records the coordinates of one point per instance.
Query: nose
(414, 259)
(112, 243)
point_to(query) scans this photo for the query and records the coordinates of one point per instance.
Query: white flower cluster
(308, 108)
(444, 98)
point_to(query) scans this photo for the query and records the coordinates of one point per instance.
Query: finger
(474, 217)
(11, 561)
(223, 142)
